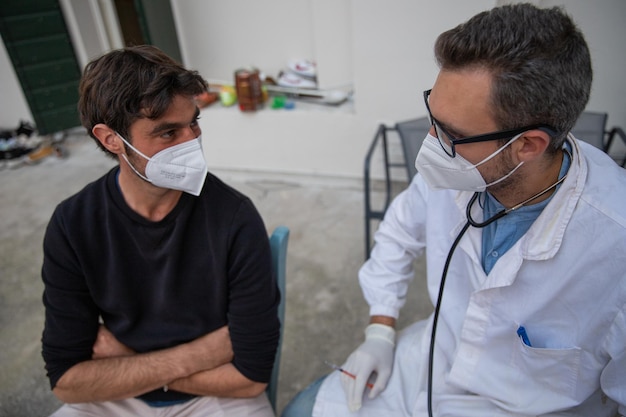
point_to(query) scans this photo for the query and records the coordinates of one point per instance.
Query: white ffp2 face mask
(442, 172)
(180, 167)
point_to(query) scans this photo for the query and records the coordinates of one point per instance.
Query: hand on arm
(373, 355)
(116, 372)
(107, 346)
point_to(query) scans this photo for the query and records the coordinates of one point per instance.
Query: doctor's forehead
(461, 100)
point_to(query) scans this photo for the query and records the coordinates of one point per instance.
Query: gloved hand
(373, 355)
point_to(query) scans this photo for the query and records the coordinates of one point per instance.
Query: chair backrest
(412, 134)
(278, 243)
(591, 128)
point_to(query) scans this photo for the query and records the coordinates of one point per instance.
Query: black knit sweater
(158, 284)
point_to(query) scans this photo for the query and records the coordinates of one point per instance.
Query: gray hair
(539, 60)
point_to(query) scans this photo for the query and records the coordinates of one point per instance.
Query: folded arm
(223, 381)
(116, 372)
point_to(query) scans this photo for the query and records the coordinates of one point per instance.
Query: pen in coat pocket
(521, 332)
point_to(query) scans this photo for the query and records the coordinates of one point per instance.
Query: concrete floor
(325, 311)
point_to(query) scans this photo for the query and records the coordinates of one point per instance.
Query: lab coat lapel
(543, 239)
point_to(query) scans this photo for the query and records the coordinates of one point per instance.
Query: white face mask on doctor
(180, 167)
(441, 171)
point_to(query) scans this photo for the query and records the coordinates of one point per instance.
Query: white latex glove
(374, 355)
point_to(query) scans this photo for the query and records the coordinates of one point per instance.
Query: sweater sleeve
(253, 296)
(71, 321)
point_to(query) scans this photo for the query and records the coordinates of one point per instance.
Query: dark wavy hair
(539, 61)
(136, 82)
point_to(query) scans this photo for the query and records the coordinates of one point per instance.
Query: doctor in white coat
(524, 231)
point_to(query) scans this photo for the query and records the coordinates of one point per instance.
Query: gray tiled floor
(325, 310)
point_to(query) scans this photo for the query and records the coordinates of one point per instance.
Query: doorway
(148, 22)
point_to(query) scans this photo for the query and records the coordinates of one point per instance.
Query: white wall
(382, 49)
(93, 27)
(602, 22)
(386, 49)
(14, 105)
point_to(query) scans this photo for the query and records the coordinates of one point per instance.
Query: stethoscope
(470, 222)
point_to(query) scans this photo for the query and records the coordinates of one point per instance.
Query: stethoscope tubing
(436, 314)
(470, 222)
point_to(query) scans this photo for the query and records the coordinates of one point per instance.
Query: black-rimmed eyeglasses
(448, 142)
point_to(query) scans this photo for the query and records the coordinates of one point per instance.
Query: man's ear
(108, 138)
(531, 145)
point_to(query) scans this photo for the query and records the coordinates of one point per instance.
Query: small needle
(343, 371)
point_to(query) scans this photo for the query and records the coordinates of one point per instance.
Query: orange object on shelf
(207, 98)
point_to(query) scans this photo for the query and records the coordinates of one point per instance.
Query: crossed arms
(200, 367)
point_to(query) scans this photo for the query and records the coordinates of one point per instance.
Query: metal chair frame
(411, 134)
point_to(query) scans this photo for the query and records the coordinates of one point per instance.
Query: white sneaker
(303, 67)
(289, 79)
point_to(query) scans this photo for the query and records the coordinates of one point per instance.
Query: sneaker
(289, 79)
(303, 67)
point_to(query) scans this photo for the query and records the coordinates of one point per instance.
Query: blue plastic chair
(278, 244)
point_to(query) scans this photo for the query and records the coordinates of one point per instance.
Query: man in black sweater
(158, 283)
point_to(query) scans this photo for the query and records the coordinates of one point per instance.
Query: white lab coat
(564, 281)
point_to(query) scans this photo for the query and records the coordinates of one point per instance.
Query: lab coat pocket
(555, 369)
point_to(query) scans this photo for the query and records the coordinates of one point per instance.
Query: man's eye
(452, 135)
(444, 134)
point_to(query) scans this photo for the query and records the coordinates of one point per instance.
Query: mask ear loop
(504, 212)
(506, 176)
(132, 147)
(493, 155)
(143, 177)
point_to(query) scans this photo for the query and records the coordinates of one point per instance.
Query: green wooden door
(38, 43)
